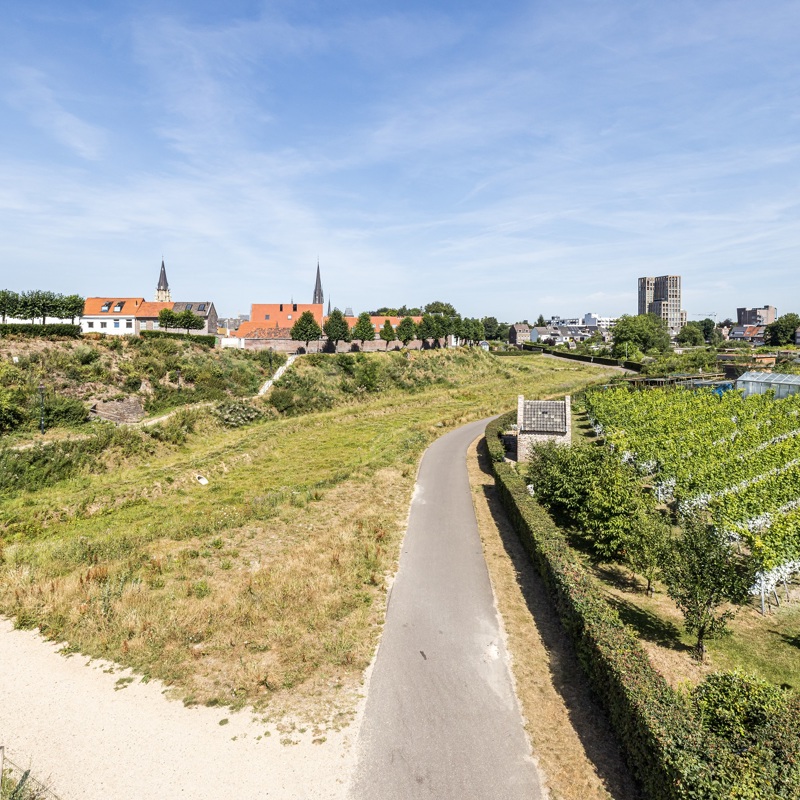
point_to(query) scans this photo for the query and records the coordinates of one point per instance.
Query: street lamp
(41, 406)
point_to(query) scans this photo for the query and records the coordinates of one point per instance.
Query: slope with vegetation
(164, 372)
(266, 583)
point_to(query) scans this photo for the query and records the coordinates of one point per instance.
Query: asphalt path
(441, 718)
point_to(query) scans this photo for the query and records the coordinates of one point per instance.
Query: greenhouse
(762, 382)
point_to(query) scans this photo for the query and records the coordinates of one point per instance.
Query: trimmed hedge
(524, 352)
(41, 331)
(207, 340)
(666, 746)
(608, 362)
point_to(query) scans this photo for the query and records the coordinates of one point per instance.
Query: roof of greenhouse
(770, 377)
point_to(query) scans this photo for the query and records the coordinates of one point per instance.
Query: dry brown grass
(267, 586)
(571, 739)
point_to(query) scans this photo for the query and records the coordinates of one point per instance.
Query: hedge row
(668, 750)
(525, 352)
(41, 331)
(208, 341)
(605, 361)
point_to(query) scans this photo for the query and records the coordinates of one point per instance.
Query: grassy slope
(108, 369)
(267, 583)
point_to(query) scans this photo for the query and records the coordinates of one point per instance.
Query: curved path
(441, 718)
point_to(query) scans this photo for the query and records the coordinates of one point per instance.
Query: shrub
(236, 413)
(12, 410)
(670, 752)
(737, 706)
(206, 341)
(86, 355)
(59, 410)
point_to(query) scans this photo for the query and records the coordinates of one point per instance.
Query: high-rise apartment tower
(662, 296)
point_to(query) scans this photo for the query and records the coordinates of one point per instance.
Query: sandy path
(90, 740)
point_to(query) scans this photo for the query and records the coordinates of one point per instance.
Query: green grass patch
(267, 581)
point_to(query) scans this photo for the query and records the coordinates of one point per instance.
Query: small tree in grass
(387, 333)
(363, 330)
(645, 545)
(704, 576)
(336, 328)
(406, 330)
(306, 328)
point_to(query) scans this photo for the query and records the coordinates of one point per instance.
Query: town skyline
(513, 161)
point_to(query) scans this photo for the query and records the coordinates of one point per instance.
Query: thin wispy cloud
(33, 97)
(532, 158)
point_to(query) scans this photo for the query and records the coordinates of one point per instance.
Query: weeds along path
(442, 719)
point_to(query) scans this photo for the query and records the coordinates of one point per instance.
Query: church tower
(318, 298)
(162, 290)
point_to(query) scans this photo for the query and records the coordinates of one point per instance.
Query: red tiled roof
(149, 309)
(93, 306)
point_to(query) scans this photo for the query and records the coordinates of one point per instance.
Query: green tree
(427, 327)
(406, 330)
(29, 306)
(705, 576)
(72, 307)
(306, 328)
(691, 334)
(363, 330)
(782, 331)
(168, 319)
(715, 339)
(645, 332)
(387, 333)
(540, 321)
(438, 307)
(490, 326)
(591, 490)
(707, 325)
(645, 545)
(188, 320)
(336, 328)
(9, 304)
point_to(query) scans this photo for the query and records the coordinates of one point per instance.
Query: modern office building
(662, 296)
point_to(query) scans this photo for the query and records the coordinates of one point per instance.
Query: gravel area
(93, 731)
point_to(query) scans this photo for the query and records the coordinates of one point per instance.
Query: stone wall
(128, 410)
(373, 346)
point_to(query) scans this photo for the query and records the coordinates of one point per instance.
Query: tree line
(39, 304)
(431, 326)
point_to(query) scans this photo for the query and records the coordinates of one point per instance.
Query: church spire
(318, 298)
(162, 290)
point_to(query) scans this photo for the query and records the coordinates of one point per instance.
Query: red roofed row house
(270, 324)
(127, 316)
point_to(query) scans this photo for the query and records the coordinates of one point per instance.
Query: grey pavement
(441, 719)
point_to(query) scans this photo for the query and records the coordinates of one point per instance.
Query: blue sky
(512, 158)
